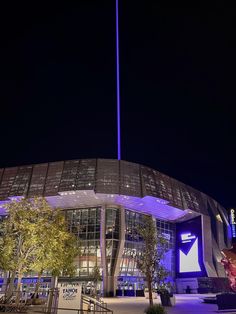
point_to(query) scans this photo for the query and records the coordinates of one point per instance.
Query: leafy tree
(35, 237)
(155, 247)
(19, 239)
(6, 262)
(57, 248)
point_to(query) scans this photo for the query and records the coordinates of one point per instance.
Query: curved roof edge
(103, 176)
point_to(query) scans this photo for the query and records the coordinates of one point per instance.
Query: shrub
(156, 309)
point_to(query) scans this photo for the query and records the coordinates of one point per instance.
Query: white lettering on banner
(187, 237)
(233, 222)
(69, 296)
(232, 216)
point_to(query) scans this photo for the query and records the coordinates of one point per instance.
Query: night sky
(58, 87)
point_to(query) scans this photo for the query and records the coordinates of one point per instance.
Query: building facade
(104, 201)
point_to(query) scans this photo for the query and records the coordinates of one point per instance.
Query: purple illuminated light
(118, 80)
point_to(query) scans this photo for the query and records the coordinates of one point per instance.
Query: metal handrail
(99, 305)
(78, 311)
(94, 300)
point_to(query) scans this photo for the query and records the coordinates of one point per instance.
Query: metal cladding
(108, 176)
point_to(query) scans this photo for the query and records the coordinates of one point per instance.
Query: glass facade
(129, 273)
(85, 223)
(130, 278)
(167, 230)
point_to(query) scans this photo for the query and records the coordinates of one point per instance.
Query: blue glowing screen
(189, 248)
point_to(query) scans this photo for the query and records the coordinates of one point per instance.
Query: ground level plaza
(185, 304)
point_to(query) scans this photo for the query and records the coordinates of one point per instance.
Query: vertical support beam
(118, 81)
(120, 249)
(103, 248)
(111, 279)
(207, 246)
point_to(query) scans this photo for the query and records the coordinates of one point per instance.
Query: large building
(104, 201)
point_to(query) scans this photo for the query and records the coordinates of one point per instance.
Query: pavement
(185, 304)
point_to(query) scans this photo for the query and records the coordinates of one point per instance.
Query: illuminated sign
(188, 262)
(187, 237)
(189, 248)
(166, 235)
(69, 296)
(232, 219)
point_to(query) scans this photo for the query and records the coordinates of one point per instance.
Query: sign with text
(69, 296)
(232, 219)
(189, 249)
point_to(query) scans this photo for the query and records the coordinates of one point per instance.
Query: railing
(88, 305)
(11, 307)
(28, 309)
(94, 305)
(71, 311)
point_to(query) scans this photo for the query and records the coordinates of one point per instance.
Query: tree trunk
(20, 275)
(52, 295)
(10, 288)
(37, 286)
(6, 281)
(149, 283)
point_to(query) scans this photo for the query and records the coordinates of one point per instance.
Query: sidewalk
(185, 304)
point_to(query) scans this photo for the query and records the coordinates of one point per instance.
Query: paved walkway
(185, 304)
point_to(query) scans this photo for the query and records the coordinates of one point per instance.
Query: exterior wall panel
(85, 178)
(130, 183)
(8, 179)
(53, 178)
(38, 178)
(69, 174)
(107, 176)
(21, 182)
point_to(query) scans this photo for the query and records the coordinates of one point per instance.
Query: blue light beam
(118, 81)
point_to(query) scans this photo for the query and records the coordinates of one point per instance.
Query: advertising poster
(189, 249)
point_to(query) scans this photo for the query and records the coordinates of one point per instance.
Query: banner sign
(232, 219)
(189, 249)
(69, 296)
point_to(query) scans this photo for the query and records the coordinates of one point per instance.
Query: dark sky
(58, 87)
